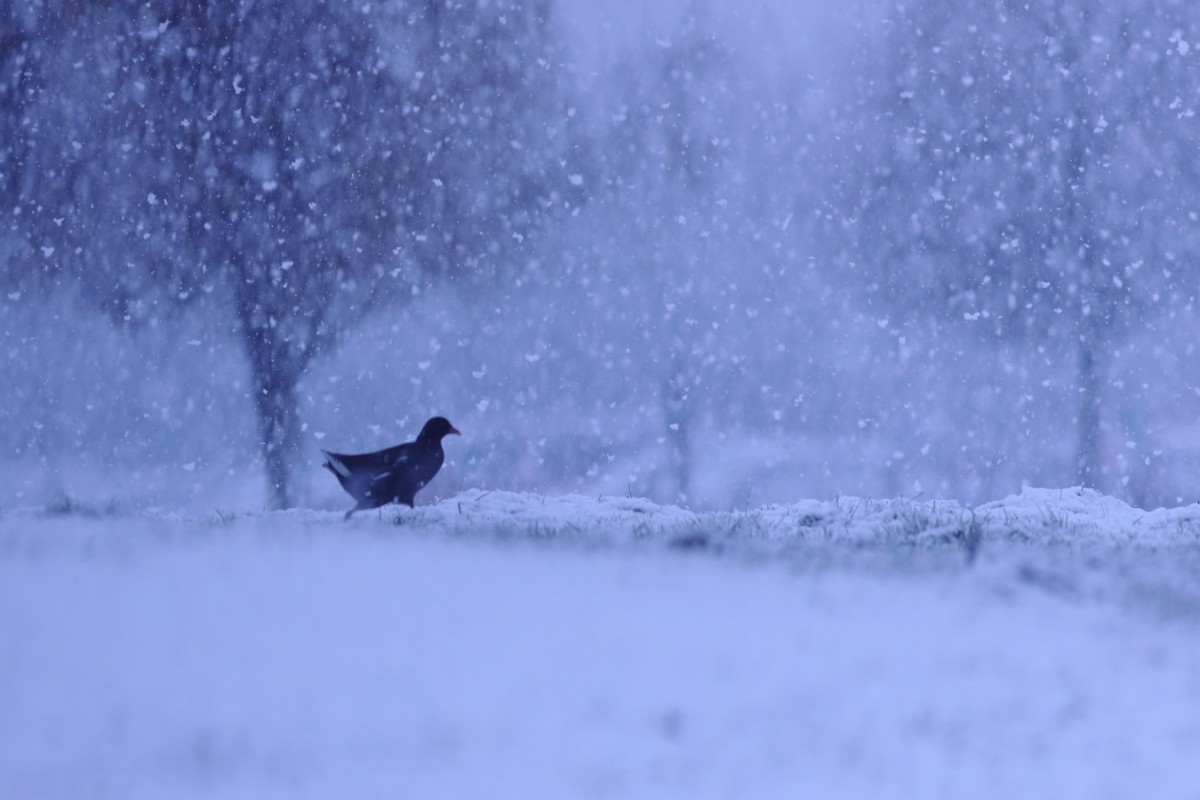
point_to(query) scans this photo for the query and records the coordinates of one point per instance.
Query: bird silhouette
(394, 475)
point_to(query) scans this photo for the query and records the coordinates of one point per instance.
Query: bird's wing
(376, 485)
(374, 475)
(400, 454)
(357, 462)
(394, 472)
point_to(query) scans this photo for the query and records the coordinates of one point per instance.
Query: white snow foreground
(511, 645)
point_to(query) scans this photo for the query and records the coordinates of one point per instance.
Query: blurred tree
(33, 35)
(1024, 169)
(30, 35)
(17, 35)
(260, 136)
(489, 116)
(298, 163)
(668, 154)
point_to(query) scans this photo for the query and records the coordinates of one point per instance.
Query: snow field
(504, 645)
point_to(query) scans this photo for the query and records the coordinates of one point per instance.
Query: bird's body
(394, 475)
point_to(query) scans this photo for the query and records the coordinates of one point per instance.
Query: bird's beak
(455, 431)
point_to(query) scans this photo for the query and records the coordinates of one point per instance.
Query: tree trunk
(1087, 453)
(677, 413)
(273, 378)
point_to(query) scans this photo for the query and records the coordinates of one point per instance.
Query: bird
(393, 475)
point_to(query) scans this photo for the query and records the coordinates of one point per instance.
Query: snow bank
(259, 655)
(1083, 516)
(1075, 516)
(1060, 516)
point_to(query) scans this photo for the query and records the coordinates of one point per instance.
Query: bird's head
(437, 428)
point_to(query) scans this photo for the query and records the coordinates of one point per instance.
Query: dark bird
(394, 475)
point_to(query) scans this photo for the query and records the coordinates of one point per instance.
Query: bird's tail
(335, 465)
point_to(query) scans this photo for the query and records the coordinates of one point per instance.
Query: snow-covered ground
(512, 645)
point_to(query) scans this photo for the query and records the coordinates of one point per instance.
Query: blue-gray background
(716, 253)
